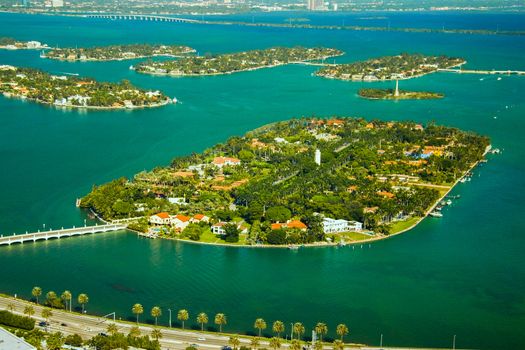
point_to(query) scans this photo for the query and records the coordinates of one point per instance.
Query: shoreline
(236, 71)
(182, 54)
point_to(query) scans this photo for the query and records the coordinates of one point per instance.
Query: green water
(463, 274)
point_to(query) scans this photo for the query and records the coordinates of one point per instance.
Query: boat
(439, 208)
(342, 243)
(463, 180)
(436, 214)
(131, 67)
(293, 247)
(449, 202)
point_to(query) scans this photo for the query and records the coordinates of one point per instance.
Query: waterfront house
(297, 224)
(218, 228)
(198, 218)
(160, 219)
(180, 222)
(225, 161)
(339, 225)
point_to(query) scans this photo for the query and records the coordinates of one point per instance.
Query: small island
(235, 62)
(300, 182)
(393, 94)
(75, 92)
(12, 44)
(116, 52)
(404, 66)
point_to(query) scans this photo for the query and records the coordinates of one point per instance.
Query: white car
(201, 338)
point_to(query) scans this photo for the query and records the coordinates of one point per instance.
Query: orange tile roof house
(160, 219)
(222, 161)
(289, 224)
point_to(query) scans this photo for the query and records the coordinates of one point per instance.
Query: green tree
(278, 214)
(11, 307)
(83, 299)
(112, 329)
(73, 340)
(134, 332)
(255, 342)
(298, 329)
(156, 312)
(202, 319)
(231, 233)
(66, 297)
(278, 327)
(275, 343)
(183, 316)
(36, 292)
(295, 344)
(55, 341)
(338, 345)
(321, 329)
(29, 311)
(46, 314)
(259, 324)
(220, 320)
(156, 334)
(234, 342)
(342, 330)
(137, 310)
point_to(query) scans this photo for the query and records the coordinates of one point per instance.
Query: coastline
(182, 54)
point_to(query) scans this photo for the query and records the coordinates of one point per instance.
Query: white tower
(317, 157)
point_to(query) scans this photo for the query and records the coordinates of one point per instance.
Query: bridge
(476, 71)
(143, 18)
(57, 234)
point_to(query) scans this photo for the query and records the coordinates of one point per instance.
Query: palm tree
(137, 309)
(278, 327)
(29, 311)
(295, 344)
(134, 332)
(298, 329)
(234, 342)
(36, 292)
(318, 345)
(275, 343)
(260, 324)
(255, 343)
(202, 318)
(11, 307)
(183, 316)
(342, 330)
(83, 299)
(156, 312)
(51, 297)
(112, 329)
(220, 319)
(46, 314)
(338, 345)
(156, 334)
(321, 329)
(66, 296)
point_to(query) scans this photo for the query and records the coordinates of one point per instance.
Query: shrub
(23, 322)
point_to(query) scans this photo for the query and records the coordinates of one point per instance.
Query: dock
(477, 71)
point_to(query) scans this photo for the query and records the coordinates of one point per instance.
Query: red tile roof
(163, 215)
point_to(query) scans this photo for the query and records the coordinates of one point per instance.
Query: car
(194, 346)
(103, 334)
(201, 338)
(43, 324)
(226, 348)
(63, 324)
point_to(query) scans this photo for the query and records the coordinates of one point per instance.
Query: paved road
(89, 326)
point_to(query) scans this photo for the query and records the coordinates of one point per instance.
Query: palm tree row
(66, 297)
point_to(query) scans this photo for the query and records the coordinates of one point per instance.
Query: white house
(218, 228)
(180, 221)
(160, 219)
(197, 218)
(223, 161)
(177, 200)
(335, 226)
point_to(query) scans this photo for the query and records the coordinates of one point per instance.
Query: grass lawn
(349, 237)
(402, 225)
(208, 237)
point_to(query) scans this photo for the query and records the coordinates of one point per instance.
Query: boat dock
(477, 71)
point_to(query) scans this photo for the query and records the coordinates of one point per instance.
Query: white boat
(449, 202)
(293, 247)
(436, 214)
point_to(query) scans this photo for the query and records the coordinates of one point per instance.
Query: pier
(143, 18)
(57, 234)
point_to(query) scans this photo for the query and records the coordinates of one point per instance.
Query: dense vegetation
(402, 66)
(370, 172)
(235, 62)
(116, 52)
(389, 94)
(7, 41)
(9, 319)
(72, 91)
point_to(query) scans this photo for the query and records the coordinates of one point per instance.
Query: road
(88, 326)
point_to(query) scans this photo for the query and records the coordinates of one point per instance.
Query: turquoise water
(463, 274)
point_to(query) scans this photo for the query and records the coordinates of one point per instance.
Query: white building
(225, 161)
(317, 157)
(180, 222)
(177, 200)
(160, 219)
(218, 228)
(335, 226)
(9, 341)
(57, 3)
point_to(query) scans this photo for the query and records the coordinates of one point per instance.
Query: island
(7, 43)
(300, 182)
(235, 62)
(116, 52)
(404, 66)
(75, 92)
(393, 94)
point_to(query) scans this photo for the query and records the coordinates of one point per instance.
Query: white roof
(9, 341)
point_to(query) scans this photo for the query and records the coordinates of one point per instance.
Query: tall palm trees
(51, 297)
(36, 292)
(255, 342)
(202, 318)
(46, 314)
(11, 307)
(234, 342)
(156, 334)
(29, 311)
(342, 330)
(183, 316)
(278, 327)
(338, 345)
(220, 320)
(66, 297)
(275, 343)
(321, 329)
(156, 312)
(259, 324)
(83, 299)
(137, 310)
(298, 329)
(295, 344)
(134, 332)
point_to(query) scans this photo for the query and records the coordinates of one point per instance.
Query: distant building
(57, 3)
(317, 157)
(316, 5)
(222, 161)
(9, 341)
